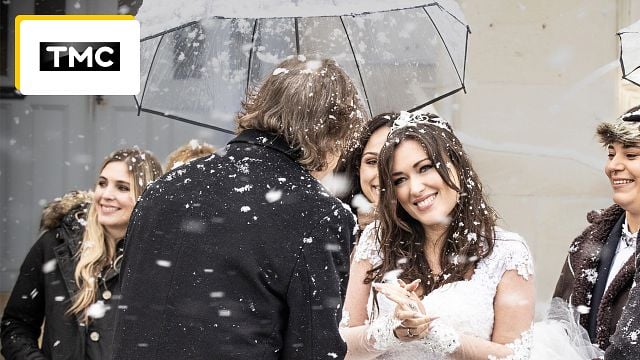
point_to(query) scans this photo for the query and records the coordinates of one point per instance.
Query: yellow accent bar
(21, 18)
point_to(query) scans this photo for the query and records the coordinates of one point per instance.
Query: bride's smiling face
(420, 189)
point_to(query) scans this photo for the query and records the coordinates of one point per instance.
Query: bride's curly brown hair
(471, 231)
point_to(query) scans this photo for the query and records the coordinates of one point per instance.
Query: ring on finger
(409, 334)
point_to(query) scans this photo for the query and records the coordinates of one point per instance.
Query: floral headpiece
(412, 119)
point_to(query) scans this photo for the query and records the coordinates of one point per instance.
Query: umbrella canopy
(630, 52)
(200, 71)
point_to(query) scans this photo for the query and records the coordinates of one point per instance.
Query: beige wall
(540, 75)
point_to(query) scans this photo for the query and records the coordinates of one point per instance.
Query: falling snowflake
(279, 71)
(273, 195)
(243, 189)
(583, 309)
(361, 203)
(49, 266)
(332, 247)
(163, 263)
(245, 209)
(591, 275)
(97, 310)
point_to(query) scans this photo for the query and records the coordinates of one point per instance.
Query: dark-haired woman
(361, 169)
(435, 278)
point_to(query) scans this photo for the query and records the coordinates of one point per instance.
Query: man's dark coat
(241, 255)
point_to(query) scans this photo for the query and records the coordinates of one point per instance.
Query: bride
(434, 278)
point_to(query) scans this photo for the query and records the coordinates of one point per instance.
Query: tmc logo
(79, 56)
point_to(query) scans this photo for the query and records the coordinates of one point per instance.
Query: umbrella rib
(192, 122)
(449, 12)
(364, 89)
(295, 20)
(622, 62)
(170, 30)
(436, 99)
(445, 46)
(253, 34)
(629, 80)
(464, 62)
(153, 59)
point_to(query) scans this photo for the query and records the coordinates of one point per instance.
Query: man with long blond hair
(244, 254)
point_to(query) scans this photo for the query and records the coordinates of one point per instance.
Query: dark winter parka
(43, 292)
(585, 272)
(243, 255)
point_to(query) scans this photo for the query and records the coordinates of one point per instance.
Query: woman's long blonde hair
(96, 252)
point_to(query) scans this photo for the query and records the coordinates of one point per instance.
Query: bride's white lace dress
(463, 306)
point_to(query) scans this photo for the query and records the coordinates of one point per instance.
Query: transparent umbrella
(630, 52)
(199, 71)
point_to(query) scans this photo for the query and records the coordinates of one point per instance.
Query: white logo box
(33, 29)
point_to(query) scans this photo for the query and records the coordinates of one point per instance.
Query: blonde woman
(70, 275)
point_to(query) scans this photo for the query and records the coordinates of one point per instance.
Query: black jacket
(43, 292)
(241, 255)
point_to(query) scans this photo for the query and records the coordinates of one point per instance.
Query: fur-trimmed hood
(75, 203)
(619, 131)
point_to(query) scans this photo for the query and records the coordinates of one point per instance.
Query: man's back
(236, 256)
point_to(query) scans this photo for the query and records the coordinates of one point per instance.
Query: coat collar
(584, 256)
(272, 141)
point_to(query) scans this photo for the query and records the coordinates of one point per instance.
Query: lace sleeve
(514, 253)
(368, 247)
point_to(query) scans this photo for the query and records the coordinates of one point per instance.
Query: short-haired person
(244, 254)
(70, 277)
(599, 270)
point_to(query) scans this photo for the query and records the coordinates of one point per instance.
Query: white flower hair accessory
(406, 119)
